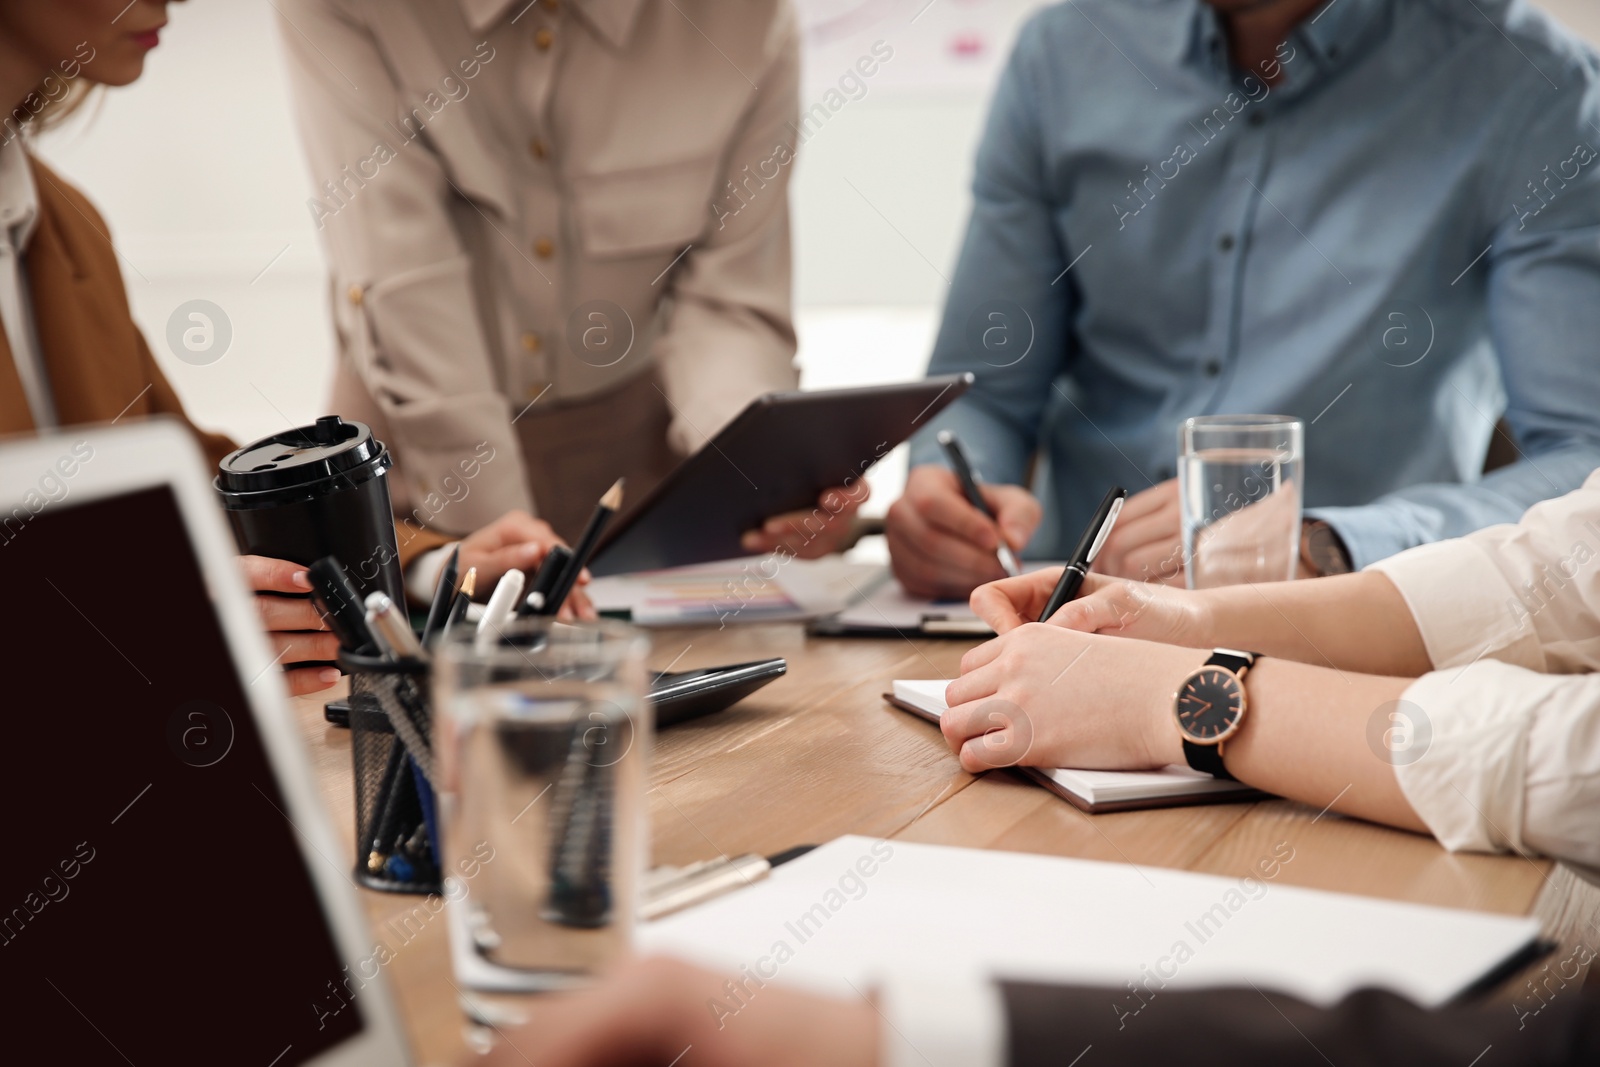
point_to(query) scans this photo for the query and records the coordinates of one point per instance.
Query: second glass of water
(1240, 480)
(544, 739)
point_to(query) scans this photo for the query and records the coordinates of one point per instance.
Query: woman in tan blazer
(70, 352)
(560, 226)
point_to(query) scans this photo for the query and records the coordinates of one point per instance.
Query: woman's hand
(814, 533)
(518, 541)
(1043, 696)
(652, 1012)
(296, 628)
(1103, 606)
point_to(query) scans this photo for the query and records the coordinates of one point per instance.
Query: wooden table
(818, 753)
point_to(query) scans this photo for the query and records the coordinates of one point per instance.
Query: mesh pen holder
(391, 720)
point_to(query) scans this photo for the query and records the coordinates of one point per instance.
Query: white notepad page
(856, 910)
(1092, 787)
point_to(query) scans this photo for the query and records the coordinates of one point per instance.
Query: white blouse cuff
(1464, 769)
(1463, 605)
(943, 1022)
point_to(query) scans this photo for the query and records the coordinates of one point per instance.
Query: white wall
(198, 170)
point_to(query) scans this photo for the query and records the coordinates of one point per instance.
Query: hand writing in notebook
(1104, 605)
(1042, 696)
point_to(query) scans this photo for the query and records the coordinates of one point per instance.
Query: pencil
(603, 514)
(458, 609)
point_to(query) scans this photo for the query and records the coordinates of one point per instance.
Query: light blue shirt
(1397, 242)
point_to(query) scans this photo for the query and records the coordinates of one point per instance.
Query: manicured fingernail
(328, 675)
(751, 542)
(301, 579)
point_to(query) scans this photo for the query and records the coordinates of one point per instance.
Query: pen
(969, 485)
(458, 607)
(392, 626)
(1105, 517)
(502, 604)
(701, 881)
(443, 597)
(544, 581)
(387, 809)
(336, 598)
(603, 513)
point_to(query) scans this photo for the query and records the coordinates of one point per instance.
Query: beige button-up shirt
(535, 202)
(1508, 724)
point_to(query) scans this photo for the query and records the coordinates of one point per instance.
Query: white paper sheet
(856, 909)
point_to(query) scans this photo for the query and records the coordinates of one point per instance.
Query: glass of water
(1239, 483)
(543, 738)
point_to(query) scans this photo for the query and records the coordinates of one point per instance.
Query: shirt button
(543, 40)
(1213, 368)
(531, 342)
(1258, 119)
(354, 294)
(1226, 243)
(544, 248)
(538, 148)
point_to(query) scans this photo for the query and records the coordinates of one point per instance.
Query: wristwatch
(1322, 550)
(1209, 706)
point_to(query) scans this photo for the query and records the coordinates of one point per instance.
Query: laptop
(171, 889)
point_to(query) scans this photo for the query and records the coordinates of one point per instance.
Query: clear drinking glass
(543, 738)
(1239, 483)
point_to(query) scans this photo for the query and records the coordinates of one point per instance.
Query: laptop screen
(154, 904)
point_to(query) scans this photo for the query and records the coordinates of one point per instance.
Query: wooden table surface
(818, 753)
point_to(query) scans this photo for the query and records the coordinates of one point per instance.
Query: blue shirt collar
(1339, 28)
(1333, 33)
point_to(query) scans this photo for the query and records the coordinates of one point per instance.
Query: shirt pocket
(644, 210)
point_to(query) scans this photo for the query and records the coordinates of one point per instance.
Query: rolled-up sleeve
(404, 298)
(1509, 720)
(1005, 294)
(1512, 761)
(731, 334)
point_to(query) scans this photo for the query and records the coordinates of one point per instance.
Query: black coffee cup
(316, 491)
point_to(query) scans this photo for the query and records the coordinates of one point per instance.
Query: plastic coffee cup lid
(303, 462)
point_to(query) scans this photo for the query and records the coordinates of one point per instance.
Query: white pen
(502, 604)
(390, 625)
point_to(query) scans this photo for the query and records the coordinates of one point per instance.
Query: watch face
(1210, 705)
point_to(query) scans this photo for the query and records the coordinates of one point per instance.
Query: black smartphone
(679, 696)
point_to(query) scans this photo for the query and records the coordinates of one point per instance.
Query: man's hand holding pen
(941, 546)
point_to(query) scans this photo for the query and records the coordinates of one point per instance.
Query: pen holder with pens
(391, 750)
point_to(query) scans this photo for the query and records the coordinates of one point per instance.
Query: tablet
(164, 817)
(780, 454)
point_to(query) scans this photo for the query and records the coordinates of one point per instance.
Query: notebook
(857, 909)
(1094, 791)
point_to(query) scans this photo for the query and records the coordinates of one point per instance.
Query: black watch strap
(1207, 759)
